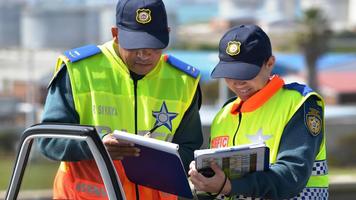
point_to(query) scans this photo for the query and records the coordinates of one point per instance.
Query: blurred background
(314, 42)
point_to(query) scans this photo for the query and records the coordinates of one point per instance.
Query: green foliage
(8, 141)
(39, 173)
(342, 170)
(191, 45)
(313, 40)
(344, 41)
(343, 49)
(345, 34)
(210, 92)
(346, 150)
(315, 32)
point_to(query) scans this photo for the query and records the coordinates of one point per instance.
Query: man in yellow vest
(288, 118)
(124, 84)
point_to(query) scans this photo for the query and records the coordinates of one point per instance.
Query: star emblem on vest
(164, 117)
(258, 137)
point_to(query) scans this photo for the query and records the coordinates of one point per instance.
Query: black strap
(213, 196)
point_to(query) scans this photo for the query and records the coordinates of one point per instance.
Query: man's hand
(118, 149)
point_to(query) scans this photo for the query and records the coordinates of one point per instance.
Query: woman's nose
(239, 82)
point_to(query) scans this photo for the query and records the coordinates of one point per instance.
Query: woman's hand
(213, 184)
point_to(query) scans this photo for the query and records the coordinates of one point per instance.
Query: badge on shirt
(313, 121)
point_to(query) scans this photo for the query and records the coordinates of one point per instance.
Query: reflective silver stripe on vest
(313, 193)
(158, 135)
(242, 197)
(307, 193)
(320, 168)
(91, 190)
(247, 198)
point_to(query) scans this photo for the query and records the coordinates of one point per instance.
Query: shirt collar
(257, 100)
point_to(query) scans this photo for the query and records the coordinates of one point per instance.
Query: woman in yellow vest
(288, 118)
(125, 84)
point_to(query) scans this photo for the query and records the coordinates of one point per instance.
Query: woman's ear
(270, 62)
(114, 33)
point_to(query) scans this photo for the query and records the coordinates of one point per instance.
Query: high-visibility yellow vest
(262, 118)
(104, 95)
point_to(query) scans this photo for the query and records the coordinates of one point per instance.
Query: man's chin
(143, 71)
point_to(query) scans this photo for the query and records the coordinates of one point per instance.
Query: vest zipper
(238, 127)
(135, 94)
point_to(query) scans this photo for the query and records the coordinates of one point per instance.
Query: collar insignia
(313, 121)
(233, 48)
(143, 16)
(164, 117)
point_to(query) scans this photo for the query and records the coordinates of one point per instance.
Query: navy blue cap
(142, 24)
(242, 52)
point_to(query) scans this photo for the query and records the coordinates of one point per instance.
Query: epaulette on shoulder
(80, 53)
(302, 89)
(188, 69)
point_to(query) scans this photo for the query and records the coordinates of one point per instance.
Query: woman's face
(246, 88)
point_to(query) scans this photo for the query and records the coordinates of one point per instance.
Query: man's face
(140, 61)
(246, 88)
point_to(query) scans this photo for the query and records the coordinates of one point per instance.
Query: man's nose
(144, 53)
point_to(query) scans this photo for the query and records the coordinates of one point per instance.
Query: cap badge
(233, 48)
(143, 16)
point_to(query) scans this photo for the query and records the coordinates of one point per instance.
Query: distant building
(10, 18)
(13, 118)
(341, 14)
(258, 11)
(337, 83)
(272, 13)
(68, 27)
(55, 24)
(24, 76)
(60, 24)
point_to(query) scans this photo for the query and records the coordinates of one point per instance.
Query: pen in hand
(148, 134)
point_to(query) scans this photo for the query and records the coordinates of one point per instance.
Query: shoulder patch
(80, 53)
(188, 69)
(313, 117)
(302, 89)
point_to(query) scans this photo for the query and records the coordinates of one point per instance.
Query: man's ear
(114, 33)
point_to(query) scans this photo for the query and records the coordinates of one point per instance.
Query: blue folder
(155, 167)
